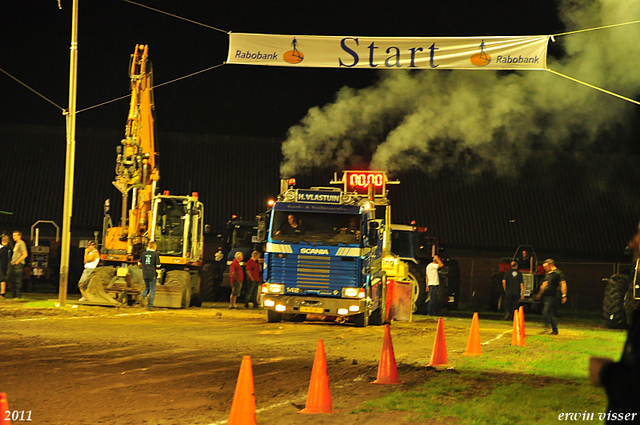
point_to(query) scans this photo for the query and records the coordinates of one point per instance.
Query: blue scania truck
(324, 251)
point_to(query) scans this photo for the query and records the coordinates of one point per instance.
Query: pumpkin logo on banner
(481, 59)
(294, 55)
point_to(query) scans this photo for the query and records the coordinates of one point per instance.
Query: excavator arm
(136, 170)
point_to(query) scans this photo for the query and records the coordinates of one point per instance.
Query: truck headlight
(350, 292)
(275, 288)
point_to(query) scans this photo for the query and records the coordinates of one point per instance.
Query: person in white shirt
(91, 260)
(433, 282)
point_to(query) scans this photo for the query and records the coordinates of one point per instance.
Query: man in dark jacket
(5, 255)
(513, 286)
(553, 283)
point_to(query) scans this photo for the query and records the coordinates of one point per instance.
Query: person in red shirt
(253, 279)
(237, 277)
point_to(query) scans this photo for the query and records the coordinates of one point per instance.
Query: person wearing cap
(91, 260)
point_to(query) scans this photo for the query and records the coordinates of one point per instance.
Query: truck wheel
(206, 282)
(379, 315)
(361, 320)
(419, 284)
(196, 300)
(273, 316)
(630, 306)
(453, 288)
(613, 306)
(496, 296)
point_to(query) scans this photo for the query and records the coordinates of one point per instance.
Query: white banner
(526, 52)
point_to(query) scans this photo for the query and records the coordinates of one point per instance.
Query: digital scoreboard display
(359, 181)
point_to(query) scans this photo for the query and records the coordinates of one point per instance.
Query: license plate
(311, 310)
(38, 272)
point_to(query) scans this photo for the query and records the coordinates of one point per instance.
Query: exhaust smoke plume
(480, 120)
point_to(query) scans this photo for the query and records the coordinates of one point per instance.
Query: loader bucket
(95, 293)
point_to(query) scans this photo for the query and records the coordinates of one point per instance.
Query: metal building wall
(583, 204)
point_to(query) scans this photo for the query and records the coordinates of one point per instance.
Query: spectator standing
(16, 267)
(150, 263)
(513, 286)
(433, 282)
(5, 255)
(524, 262)
(91, 260)
(253, 279)
(553, 281)
(236, 277)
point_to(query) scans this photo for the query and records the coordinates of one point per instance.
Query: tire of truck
(613, 305)
(496, 296)
(419, 284)
(454, 284)
(378, 315)
(196, 298)
(206, 282)
(630, 306)
(182, 279)
(361, 320)
(273, 316)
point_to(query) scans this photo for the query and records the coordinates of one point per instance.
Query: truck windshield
(328, 228)
(401, 243)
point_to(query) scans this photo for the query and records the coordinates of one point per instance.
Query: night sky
(232, 99)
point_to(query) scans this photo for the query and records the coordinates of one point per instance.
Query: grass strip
(508, 385)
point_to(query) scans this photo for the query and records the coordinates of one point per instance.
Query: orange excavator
(175, 223)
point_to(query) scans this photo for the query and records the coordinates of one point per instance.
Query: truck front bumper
(289, 304)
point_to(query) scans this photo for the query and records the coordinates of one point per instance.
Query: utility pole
(70, 159)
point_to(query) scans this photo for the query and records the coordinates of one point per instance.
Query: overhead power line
(177, 16)
(33, 90)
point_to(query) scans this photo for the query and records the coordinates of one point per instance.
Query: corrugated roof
(573, 203)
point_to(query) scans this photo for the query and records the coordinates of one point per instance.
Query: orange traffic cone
(473, 344)
(439, 353)
(516, 334)
(319, 397)
(522, 323)
(243, 409)
(387, 369)
(4, 407)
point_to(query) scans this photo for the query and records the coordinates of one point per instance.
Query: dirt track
(92, 365)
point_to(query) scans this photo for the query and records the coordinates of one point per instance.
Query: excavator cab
(178, 226)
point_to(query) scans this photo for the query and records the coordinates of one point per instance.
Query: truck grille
(314, 272)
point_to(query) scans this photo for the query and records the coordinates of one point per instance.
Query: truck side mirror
(373, 233)
(261, 235)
